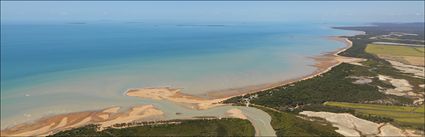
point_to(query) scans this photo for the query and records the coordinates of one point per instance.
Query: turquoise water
(58, 68)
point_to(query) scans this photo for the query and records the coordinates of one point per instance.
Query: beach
(323, 63)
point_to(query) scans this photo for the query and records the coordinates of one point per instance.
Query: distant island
(208, 25)
(77, 23)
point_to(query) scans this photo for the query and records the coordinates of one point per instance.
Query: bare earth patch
(361, 79)
(417, 61)
(349, 125)
(415, 70)
(402, 86)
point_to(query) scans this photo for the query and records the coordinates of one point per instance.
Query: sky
(213, 11)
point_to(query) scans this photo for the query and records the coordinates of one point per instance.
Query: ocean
(66, 67)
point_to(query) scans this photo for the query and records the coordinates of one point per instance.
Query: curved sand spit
(174, 95)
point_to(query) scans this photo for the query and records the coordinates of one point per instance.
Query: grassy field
(215, 127)
(395, 50)
(421, 49)
(403, 115)
(376, 107)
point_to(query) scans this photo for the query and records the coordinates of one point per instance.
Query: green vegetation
(288, 124)
(395, 50)
(421, 50)
(214, 127)
(376, 107)
(406, 116)
(331, 86)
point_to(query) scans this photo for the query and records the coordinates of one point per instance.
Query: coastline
(323, 64)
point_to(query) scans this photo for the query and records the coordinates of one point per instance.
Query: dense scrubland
(288, 124)
(210, 127)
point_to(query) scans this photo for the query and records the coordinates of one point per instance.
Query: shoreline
(323, 63)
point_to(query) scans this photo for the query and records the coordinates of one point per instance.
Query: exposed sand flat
(349, 125)
(111, 110)
(412, 133)
(136, 113)
(105, 118)
(402, 86)
(39, 131)
(236, 113)
(175, 96)
(346, 131)
(415, 70)
(390, 130)
(62, 123)
(82, 122)
(361, 79)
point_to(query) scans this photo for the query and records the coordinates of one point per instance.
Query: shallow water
(60, 68)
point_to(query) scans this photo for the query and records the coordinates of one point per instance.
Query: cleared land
(402, 115)
(395, 50)
(407, 54)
